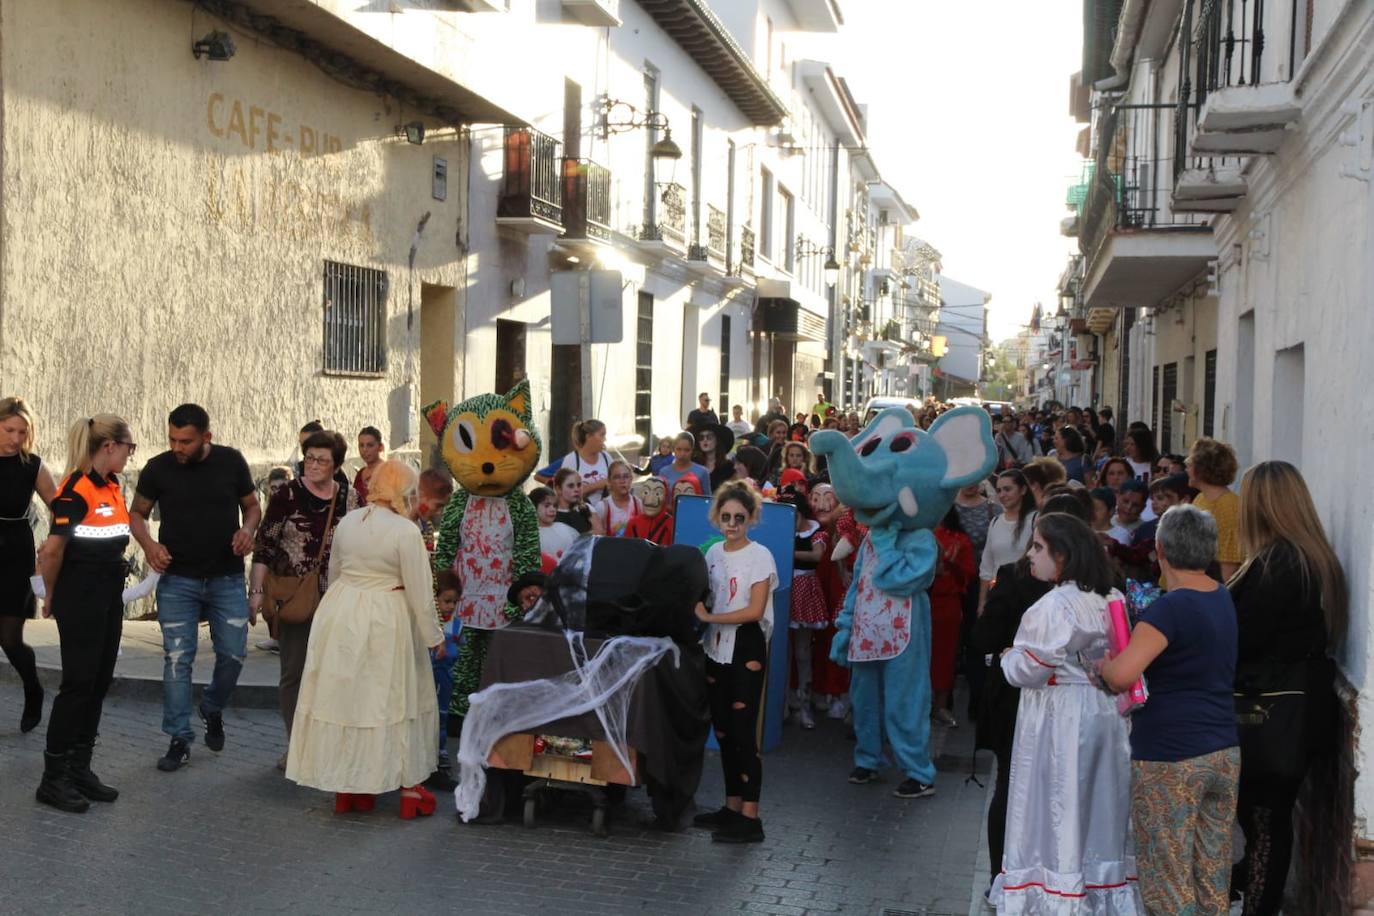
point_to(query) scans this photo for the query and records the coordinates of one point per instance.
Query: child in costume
(953, 573)
(809, 609)
(743, 577)
(554, 536)
(655, 519)
(489, 534)
(447, 590)
(900, 481)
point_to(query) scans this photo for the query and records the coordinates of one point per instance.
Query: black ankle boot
(33, 708)
(86, 782)
(56, 789)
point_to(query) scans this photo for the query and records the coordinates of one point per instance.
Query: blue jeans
(182, 602)
(443, 689)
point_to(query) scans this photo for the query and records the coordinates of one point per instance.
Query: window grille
(354, 319)
(644, 372)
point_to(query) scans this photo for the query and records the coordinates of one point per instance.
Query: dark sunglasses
(733, 518)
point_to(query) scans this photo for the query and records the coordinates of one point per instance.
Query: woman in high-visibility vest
(83, 569)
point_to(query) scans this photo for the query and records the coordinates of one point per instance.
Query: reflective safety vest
(89, 512)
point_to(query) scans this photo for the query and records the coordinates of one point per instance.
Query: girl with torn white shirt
(743, 576)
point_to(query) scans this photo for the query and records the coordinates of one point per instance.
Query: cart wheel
(529, 812)
(599, 823)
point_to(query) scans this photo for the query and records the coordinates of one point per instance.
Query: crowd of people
(1237, 600)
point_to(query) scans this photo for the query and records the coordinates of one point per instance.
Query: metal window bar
(724, 407)
(354, 319)
(644, 371)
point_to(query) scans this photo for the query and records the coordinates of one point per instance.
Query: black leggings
(19, 654)
(90, 617)
(1265, 811)
(997, 811)
(736, 693)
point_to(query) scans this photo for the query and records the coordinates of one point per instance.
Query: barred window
(354, 319)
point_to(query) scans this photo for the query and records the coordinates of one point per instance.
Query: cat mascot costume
(900, 481)
(489, 534)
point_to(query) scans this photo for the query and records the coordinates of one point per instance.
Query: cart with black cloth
(604, 588)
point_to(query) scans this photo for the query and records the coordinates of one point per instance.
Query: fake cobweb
(602, 684)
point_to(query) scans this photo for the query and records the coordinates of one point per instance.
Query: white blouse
(733, 576)
(1003, 546)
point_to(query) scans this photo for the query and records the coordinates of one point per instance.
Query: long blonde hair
(1275, 505)
(17, 407)
(88, 434)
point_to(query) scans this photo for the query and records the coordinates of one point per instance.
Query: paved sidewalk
(228, 834)
(138, 672)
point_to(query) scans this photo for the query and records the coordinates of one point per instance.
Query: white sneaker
(269, 645)
(839, 708)
(804, 716)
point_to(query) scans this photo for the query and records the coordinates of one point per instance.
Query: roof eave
(697, 31)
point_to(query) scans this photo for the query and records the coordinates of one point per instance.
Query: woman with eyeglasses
(83, 569)
(743, 576)
(294, 541)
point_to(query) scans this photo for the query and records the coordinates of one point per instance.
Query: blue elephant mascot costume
(900, 481)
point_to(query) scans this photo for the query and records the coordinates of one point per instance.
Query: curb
(249, 696)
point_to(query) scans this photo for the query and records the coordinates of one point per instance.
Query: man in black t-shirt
(209, 513)
(703, 415)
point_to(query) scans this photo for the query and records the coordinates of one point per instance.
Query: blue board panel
(774, 531)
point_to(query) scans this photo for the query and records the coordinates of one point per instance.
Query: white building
(964, 325)
(885, 367)
(1227, 236)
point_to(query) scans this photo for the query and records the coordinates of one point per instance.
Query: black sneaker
(214, 729)
(862, 776)
(177, 756)
(914, 788)
(715, 819)
(739, 829)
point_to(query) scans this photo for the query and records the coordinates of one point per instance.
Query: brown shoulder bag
(293, 599)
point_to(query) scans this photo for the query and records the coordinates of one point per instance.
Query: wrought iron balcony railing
(586, 200)
(746, 248)
(672, 212)
(715, 232)
(531, 187)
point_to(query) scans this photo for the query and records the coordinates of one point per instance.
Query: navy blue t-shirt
(1191, 710)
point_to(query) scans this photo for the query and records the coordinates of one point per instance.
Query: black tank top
(18, 477)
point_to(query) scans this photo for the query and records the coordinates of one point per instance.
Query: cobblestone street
(229, 834)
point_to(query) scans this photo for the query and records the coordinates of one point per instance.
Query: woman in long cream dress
(367, 721)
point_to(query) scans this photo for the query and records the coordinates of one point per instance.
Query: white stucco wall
(165, 232)
(1299, 258)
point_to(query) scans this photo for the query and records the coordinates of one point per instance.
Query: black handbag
(1272, 720)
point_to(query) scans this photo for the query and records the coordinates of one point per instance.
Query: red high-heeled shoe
(345, 802)
(416, 800)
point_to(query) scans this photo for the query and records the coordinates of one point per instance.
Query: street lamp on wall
(618, 117)
(805, 248)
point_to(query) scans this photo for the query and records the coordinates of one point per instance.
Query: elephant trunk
(847, 473)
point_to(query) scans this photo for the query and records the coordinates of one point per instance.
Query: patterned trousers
(467, 670)
(1182, 813)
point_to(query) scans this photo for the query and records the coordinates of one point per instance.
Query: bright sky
(968, 118)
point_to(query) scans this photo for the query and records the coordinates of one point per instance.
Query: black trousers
(1264, 808)
(997, 811)
(89, 610)
(735, 692)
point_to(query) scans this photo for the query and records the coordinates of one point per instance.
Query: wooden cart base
(585, 776)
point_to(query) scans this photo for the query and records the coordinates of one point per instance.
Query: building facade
(1225, 226)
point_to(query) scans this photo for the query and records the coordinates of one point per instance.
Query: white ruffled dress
(1068, 841)
(367, 720)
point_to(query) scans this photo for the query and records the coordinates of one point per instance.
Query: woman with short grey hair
(1185, 759)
